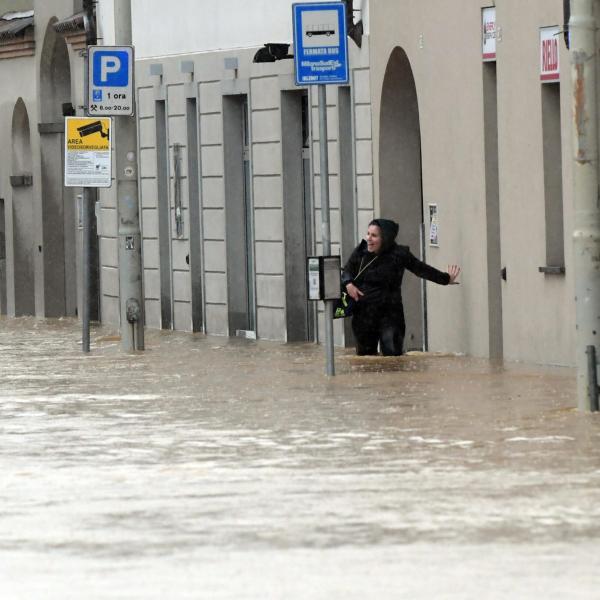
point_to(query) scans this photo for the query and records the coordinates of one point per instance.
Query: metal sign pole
(87, 165)
(325, 225)
(321, 58)
(130, 252)
(90, 38)
(86, 270)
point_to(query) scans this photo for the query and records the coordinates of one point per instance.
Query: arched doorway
(58, 206)
(23, 287)
(400, 181)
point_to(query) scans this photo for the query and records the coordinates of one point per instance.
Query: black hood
(389, 231)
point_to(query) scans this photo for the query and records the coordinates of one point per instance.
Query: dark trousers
(379, 324)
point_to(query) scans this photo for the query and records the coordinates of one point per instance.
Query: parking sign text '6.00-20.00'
(110, 81)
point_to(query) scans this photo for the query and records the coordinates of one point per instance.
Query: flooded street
(224, 468)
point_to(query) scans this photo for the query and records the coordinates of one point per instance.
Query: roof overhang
(16, 35)
(73, 30)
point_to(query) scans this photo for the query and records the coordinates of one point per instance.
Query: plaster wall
(55, 208)
(443, 43)
(540, 309)
(23, 75)
(7, 6)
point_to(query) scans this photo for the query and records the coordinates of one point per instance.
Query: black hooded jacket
(381, 280)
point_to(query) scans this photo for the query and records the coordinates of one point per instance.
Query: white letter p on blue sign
(108, 65)
(110, 68)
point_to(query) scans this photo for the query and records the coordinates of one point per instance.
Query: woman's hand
(454, 272)
(354, 292)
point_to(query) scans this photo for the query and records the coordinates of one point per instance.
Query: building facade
(485, 138)
(41, 68)
(448, 125)
(229, 171)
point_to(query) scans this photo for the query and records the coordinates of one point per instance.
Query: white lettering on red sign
(549, 54)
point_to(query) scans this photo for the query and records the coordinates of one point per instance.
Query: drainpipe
(87, 201)
(586, 235)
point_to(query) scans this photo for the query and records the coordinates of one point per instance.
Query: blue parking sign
(320, 43)
(110, 85)
(111, 68)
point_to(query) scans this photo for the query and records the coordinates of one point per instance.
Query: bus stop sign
(320, 43)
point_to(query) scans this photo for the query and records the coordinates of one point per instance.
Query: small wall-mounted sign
(549, 54)
(433, 225)
(489, 33)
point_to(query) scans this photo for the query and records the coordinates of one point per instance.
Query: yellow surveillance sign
(88, 134)
(88, 152)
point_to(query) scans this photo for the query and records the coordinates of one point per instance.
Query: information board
(88, 152)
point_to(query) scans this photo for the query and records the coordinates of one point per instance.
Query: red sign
(549, 54)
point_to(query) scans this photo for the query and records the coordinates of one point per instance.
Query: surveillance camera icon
(95, 127)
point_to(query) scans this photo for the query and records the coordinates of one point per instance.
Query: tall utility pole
(583, 26)
(87, 201)
(130, 239)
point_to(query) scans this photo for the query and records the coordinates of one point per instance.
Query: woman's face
(374, 239)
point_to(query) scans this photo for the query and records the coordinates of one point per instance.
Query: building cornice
(16, 36)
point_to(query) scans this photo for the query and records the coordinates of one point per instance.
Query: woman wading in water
(373, 278)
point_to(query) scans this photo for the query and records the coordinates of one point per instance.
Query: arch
(21, 139)
(23, 286)
(400, 179)
(55, 75)
(58, 207)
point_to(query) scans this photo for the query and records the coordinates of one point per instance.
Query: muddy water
(215, 468)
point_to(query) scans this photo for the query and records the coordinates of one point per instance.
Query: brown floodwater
(219, 468)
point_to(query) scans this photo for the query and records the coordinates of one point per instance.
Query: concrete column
(586, 234)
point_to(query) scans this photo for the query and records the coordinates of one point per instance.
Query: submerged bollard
(592, 378)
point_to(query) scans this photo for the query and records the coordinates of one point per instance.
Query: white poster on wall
(489, 33)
